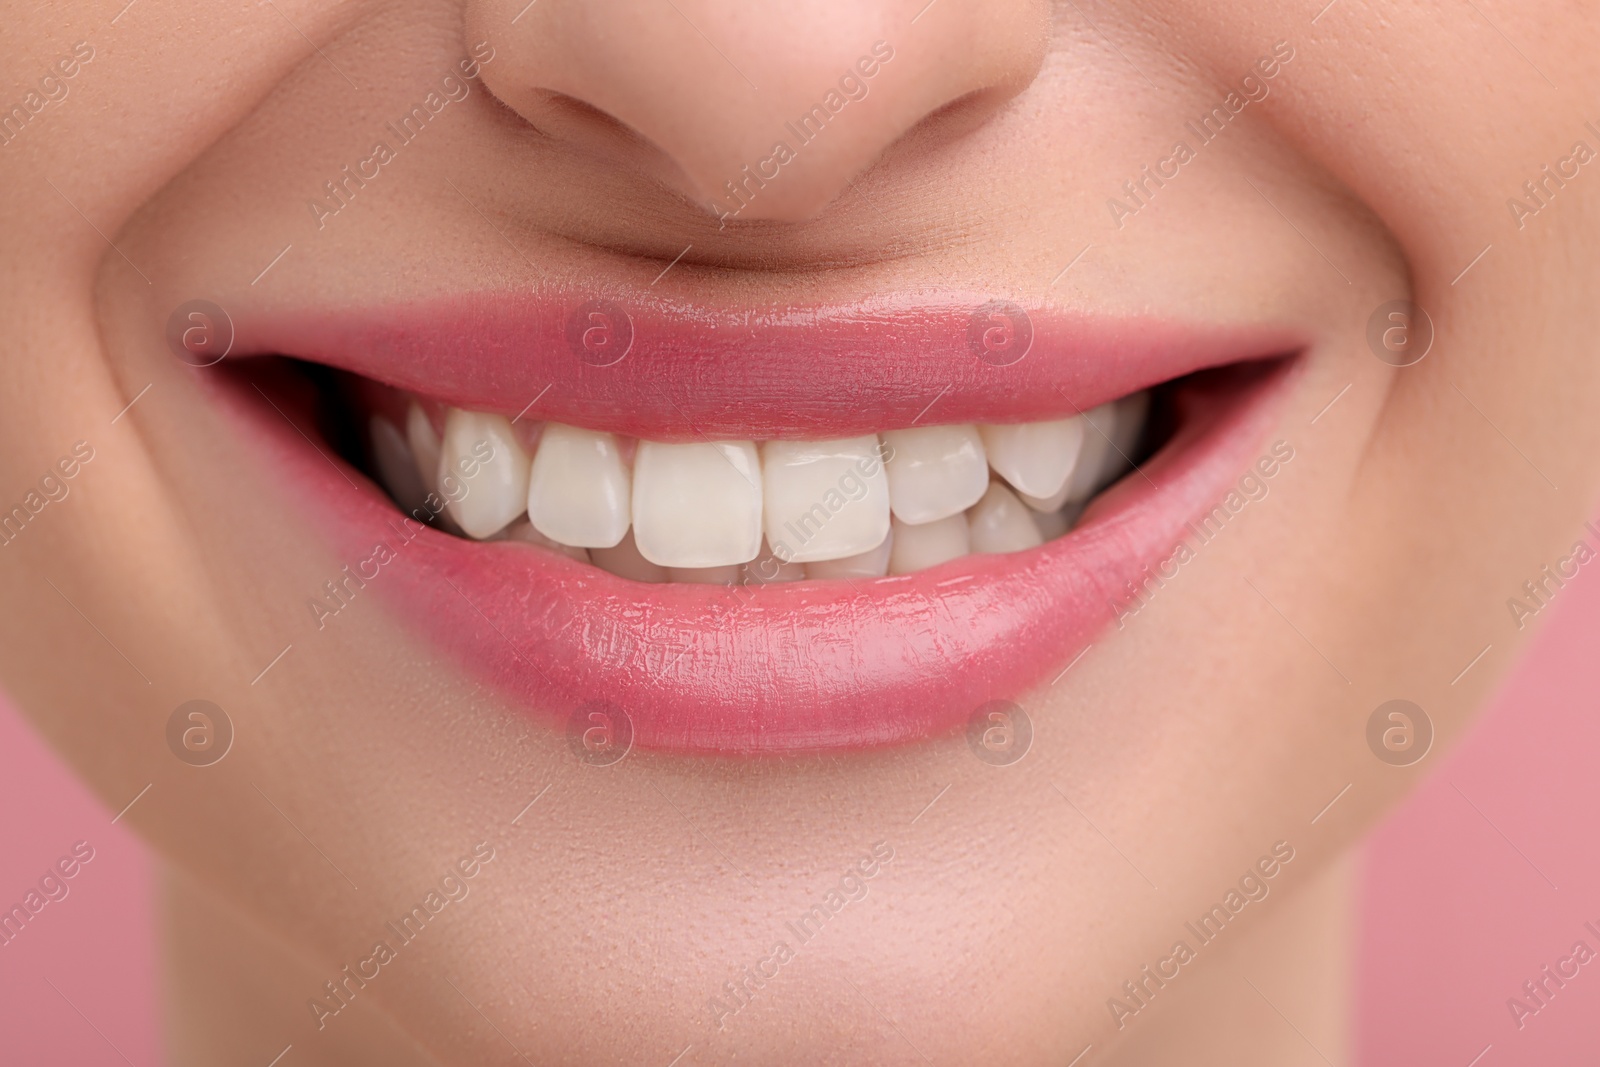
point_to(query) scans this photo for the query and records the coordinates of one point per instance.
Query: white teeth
(1110, 433)
(1035, 457)
(935, 471)
(1108, 451)
(397, 470)
(725, 512)
(424, 445)
(579, 490)
(874, 563)
(624, 561)
(824, 499)
(1001, 523)
(1097, 453)
(483, 472)
(927, 544)
(697, 505)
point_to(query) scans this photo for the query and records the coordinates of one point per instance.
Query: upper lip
(780, 371)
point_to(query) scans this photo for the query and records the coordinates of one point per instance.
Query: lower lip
(795, 667)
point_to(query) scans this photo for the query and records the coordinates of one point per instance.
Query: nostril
(960, 116)
(579, 126)
(567, 118)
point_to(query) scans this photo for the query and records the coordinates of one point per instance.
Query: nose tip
(755, 112)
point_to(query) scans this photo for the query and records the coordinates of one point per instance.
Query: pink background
(1460, 906)
(1456, 912)
(97, 946)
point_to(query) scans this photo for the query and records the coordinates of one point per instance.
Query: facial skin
(1216, 722)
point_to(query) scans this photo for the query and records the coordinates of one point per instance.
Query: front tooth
(1035, 457)
(579, 489)
(487, 472)
(927, 544)
(824, 499)
(396, 468)
(935, 471)
(1097, 453)
(873, 563)
(624, 561)
(424, 444)
(697, 505)
(1001, 523)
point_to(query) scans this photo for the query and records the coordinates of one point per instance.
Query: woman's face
(778, 255)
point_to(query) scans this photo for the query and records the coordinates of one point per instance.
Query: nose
(755, 111)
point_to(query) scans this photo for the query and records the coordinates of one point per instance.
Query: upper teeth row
(719, 504)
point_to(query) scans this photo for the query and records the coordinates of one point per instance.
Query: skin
(1217, 721)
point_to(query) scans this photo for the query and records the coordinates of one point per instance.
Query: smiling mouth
(741, 534)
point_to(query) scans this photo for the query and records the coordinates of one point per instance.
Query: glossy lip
(808, 372)
(788, 668)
